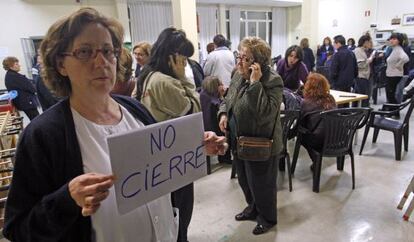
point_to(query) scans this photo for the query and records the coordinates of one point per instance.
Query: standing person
(351, 44)
(46, 97)
(323, 50)
(252, 108)
(142, 52)
(220, 62)
(168, 94)
(62, 186)
(395, 66)
(292, 69)
(26, 99)
(125, 83)
(308, 56)
(362, 83)
(343, 69)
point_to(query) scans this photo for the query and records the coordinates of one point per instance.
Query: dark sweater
(25, 90)
(39, 206)
(308, 58)
(292, 75)
(343, 70)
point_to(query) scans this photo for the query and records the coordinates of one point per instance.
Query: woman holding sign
(62, 187)
(168, 94)
(251, 112)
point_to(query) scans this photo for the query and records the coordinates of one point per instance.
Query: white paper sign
(152, 161)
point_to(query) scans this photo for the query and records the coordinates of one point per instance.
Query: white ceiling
(272, 3)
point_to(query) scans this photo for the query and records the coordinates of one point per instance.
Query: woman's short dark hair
(60, 37)
(304, 43)
(170, 42)
(297, 49)
(8, 62)
(364, 38)
(352, 40)
(399, 37)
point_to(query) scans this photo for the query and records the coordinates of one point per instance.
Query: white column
(222, 20)
(185, 18)
(310, 21)
(122, 11)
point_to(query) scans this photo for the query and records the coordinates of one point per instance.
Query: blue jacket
(343, 69)
(39, 205)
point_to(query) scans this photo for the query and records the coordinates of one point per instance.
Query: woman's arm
(37, 208)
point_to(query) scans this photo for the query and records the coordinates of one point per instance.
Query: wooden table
(347, 97)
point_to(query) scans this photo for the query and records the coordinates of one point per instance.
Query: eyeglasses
(243, 58)
(139, 54)
(87, 53)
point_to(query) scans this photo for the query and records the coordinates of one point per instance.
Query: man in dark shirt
(343, 69)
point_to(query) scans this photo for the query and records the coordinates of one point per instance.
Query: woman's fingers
(88, 211)
(96, 198)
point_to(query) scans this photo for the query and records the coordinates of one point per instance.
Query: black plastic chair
(339, 127)
(289, 120)
(381, 120)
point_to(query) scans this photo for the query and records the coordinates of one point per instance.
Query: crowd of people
(88, 89)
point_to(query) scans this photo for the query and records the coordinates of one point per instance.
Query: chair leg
(340, 160)
(296, 153)
(364, 139)
(282, 161)
(352, 169)
(208, 159)
(233, 169)
(289, 171)
(406, 133)
(317, 174)
(375, 136)
(397, 145)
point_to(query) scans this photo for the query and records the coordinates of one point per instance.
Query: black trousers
(362, 86)
(391, 88)
(31, 113)
(258, 182)
(183, 199)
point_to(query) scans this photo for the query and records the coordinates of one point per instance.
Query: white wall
(22, 19)
(349, 16)
(294, 17)
(388, 9)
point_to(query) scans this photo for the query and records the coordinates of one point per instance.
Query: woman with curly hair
(316, 99)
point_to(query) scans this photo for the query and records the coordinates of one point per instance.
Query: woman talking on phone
(251, 112)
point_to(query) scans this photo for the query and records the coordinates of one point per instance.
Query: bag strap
(146, 84)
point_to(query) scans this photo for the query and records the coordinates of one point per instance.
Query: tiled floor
(336, 214)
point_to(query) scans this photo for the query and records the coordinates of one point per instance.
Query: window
(253, 23)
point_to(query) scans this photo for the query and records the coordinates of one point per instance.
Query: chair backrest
(340, 126)
(409, 111)
(289, 120)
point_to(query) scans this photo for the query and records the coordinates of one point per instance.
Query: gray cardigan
(396, 61)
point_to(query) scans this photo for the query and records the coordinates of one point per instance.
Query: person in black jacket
(308, 56)
(62, 186)
(26, 99)
(344, 68)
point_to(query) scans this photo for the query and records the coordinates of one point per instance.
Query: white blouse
(153, 221)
